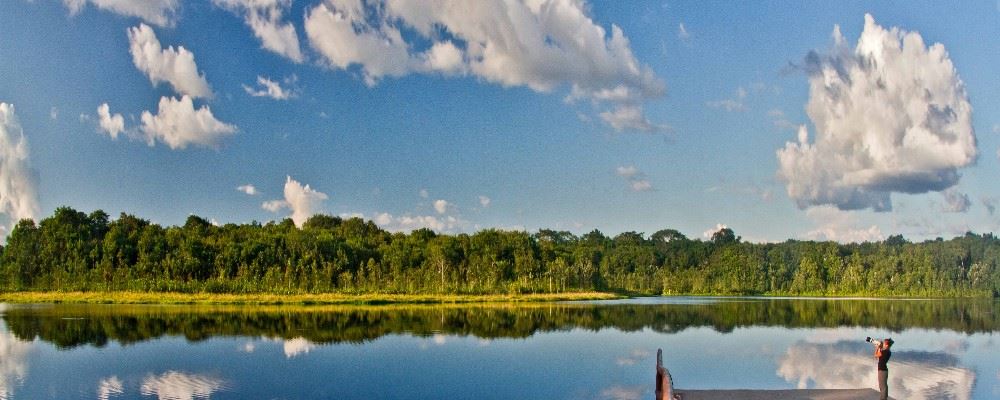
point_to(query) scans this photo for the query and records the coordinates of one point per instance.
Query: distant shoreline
(291, 299)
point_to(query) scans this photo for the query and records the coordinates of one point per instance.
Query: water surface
(584, 350)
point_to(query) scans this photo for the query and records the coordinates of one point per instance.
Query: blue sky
(567, 115)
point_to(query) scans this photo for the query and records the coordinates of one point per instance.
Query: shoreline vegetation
(167, 298)
(334, 260)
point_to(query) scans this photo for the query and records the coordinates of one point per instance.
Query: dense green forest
(72, 250)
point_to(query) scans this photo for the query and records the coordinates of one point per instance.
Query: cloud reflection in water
(13, 363)
(174, 385)
(618, 392)
(297, 346)
(912, 375)
(110, 386)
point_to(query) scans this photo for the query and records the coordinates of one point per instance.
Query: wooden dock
(799, 394)
(665, 391)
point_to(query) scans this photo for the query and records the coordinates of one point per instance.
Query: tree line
(72, 250)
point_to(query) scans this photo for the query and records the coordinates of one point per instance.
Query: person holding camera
(882, 354)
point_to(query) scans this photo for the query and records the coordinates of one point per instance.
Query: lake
(945, 349)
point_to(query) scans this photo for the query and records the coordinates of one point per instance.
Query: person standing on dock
(882, 354)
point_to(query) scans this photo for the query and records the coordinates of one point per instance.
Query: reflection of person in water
(882, 354)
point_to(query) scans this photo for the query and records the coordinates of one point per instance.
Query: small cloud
(736, 103)
(640, 185)
(780, 121)
(484, 201)
(955, 202)
(174, 66)
(627, 172)
(441, 206)
(248, 189)
(274, 205)
(711, 231)
(637, 181)
(991, 204)
(266, 20)
(996, 127)
(630, 117)
(110, 124)
(302, 200)
(272, 89)
(53, 113)
(178, 124)
(424, 194)
(682, 32)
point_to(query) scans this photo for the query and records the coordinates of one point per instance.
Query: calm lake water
(945, 349)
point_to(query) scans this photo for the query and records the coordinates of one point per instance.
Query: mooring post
(664, 384)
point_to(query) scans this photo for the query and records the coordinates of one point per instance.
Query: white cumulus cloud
(302, 200)
(484, 201)
(339, 30)
(18, 195)
(272, 89)
(156, 12)
(174, 66)
(179, 124)
(265, 18)
(891, 115)
(248, 189)
(540, 44)
(110, 124)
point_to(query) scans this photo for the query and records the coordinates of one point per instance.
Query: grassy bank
(297, 299)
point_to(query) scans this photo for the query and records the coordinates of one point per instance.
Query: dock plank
(799, 394)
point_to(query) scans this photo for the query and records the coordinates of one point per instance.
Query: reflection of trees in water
(13, 363)
(912, 375)
(73, 325)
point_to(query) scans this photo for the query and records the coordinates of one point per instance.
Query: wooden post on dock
(664, 382)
